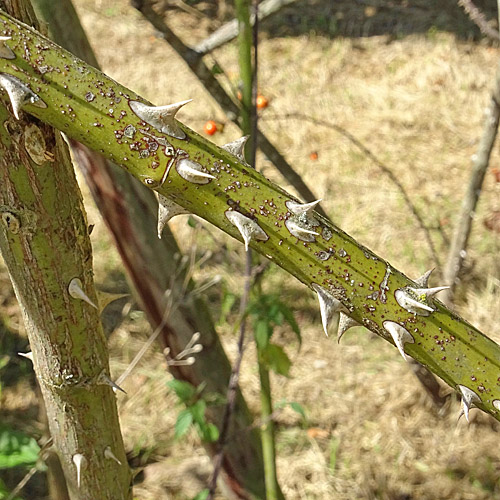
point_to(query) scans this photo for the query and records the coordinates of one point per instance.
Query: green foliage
(296, 407)
(202, 495)
(17, 449)
(266, 312)
(194, 413)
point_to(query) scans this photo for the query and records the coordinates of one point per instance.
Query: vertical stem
(267, 433)
(246, 70)
(463, 228)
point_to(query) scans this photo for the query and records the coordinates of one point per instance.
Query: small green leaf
(209, 433)
(262, 333)
(202, 495)
(184, 421)
(184, 390)
(17, 448)
(275, 358)
(297, 408)
(198, 412)
(216, 69)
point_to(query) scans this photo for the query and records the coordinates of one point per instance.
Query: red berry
(261, 102)
(210, 127)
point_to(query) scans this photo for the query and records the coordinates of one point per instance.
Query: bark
(44, 242)
(481, 159)
(129, 210)
(216, 185)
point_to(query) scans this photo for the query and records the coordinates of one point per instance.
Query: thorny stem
(194, 60)
(329, 261)
(233, 380)
(384, 168)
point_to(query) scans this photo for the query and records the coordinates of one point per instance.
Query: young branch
(194, 60)
(216, 184)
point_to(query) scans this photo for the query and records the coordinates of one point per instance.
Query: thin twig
(149, 342)
(480, 164)
(479, 19)
(384, 168)
(233, 380)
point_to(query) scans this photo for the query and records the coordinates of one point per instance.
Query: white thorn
(109, 454)
(162, 118)
(193, 172)
(76, 291)
(28, 355)
(428, 292)
(469, 397)
(300, 232)
(166, 210)
(496, 403)
(400, 335)
(247, 227)
(423, 281)
(328, 305)
(80, 463)
(301, 208)
(237, 148)
(19, 93)
(105, 380)
(345, 322)
(405, 298)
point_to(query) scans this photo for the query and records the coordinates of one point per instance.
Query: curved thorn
(400, 335)
(237, 148)
(162, 118)
(411, 304)
(19, 93)
(76, 291)
(110, 455)
(247, 227)
(106, 380)
(469, 397)
(105, 298)
(301, 208)
(166, 210)
(80, 463)
(429, 292)
(300, 231)
(423, 281)
(328, 305)
(193, 172)
(28, 355)
(345, 322)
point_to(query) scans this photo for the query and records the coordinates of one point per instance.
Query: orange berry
(261, 102)
(313, 155)
(210, 127)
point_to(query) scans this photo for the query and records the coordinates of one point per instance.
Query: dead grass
(417, 103)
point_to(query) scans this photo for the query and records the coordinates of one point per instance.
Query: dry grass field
(411, 83)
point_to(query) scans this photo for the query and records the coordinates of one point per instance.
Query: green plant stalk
(246, 70)
(92, 108)
(267, 433)
(248, 119)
